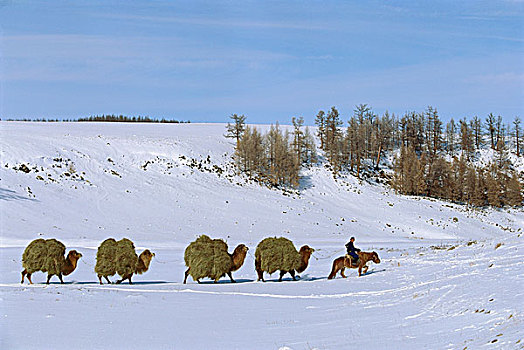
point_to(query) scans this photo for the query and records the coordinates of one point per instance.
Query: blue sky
(269, 60)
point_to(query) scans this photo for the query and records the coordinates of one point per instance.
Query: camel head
(238, 256)
(70, 262)
(305, 253)
(241, 249)
(144, 260)
(74, 255)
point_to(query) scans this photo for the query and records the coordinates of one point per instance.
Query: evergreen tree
(333, 137)
(451, 130)
(466, 139)
(517, 134)
(490, 126)
(476, 126)
(320, 121)
(514, 191)
(493, 187)
(236, 129)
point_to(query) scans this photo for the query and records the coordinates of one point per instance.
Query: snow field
(441, 284)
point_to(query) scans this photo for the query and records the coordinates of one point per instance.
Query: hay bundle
(126, 257)
(116, 257)
(46, 255)
(105, 256)
(277, 254)
(207, 257)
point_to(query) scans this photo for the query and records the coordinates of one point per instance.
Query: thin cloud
(217, 22)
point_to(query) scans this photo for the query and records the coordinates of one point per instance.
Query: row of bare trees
(276, 157)
(433, 159)
(457, 180)
(368, 136)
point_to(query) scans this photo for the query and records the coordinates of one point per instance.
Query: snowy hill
(162, 185)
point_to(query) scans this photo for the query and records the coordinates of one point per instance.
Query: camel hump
(274, 254)
(106, 258)
(208, 257)
(44, 255)
(126, 257)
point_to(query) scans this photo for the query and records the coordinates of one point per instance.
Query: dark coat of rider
(352, 250)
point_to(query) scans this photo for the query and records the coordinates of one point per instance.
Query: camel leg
(185, 276)
(342, 273)
(198, 281)
(260, 274)
(129, 278)
(120, 280)
(60, 277)
(100, 279)
(292, 273)
(259, 271)
(107, 279)
(23, 276)
(282, 273)
(29, 278)
(231, 277)
(48, 278)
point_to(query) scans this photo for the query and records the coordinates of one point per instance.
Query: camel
(300, 266)
(237, 260)
(48, 256)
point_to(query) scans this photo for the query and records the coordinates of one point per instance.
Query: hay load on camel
(206, 257)
(119, 257)
(274, 254)
(47, 255)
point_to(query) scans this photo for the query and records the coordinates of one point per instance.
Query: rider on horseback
(352, 251)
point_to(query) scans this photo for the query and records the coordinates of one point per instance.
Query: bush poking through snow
(274, 254)
(206, 257)
(47, 255)
(120, 257)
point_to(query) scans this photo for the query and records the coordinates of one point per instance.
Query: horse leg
(342, 272)
(231, 277)
(292, 273)
(185, 276)
(360, 271)
(23, 276)
(366, 269)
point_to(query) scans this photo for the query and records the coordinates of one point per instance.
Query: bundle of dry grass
(47, 255)
(206, 257)
(274, 254)
(120, 257)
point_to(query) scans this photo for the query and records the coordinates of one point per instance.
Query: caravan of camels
(204, 258)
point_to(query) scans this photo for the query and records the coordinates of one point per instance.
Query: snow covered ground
(444, 280)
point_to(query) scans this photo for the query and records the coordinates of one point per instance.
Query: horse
(339, 264)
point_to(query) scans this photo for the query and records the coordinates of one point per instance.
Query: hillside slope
(163, 185)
